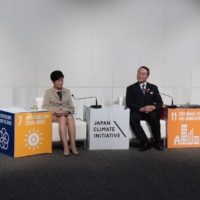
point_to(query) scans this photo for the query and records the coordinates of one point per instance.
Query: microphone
(93, 106)
(172, 106)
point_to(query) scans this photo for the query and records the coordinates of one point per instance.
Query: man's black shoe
(145, 146)
(158, 147)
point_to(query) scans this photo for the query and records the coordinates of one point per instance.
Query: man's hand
(147, 109)
(142, 109)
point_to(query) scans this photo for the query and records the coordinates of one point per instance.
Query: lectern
(107, 128)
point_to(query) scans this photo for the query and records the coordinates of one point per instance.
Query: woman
(58, 100)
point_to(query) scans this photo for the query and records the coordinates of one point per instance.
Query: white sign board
(107, 128)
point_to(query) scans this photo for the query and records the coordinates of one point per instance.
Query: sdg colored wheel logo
(4, 139)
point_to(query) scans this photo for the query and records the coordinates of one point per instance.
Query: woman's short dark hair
(55, 75)
(144, 67)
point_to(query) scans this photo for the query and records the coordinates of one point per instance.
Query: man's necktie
(143, 89)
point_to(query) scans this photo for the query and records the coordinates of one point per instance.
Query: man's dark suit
(135, 99)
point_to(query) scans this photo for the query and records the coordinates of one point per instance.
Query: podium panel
(107, 128)
(24, 133)
(183, 128)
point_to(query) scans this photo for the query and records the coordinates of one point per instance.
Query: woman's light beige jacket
(52, 101)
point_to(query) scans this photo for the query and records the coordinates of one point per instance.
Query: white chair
(80, 127)
(147, 128)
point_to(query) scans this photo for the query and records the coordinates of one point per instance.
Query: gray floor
(120, 174)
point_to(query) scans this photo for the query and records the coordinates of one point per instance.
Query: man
(144, 101)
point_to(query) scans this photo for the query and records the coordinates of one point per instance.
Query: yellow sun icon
(33, 139)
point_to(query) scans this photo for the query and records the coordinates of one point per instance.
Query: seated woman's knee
(70, 118)
(62, 119)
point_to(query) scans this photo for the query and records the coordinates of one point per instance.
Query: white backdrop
(83, 38)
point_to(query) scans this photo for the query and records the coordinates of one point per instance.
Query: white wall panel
(6, 76)
(195, 96)
(53, 33)
(7, 35)
(41, 91)
(24, 77)
(124, 77)
(77, 76)
(7, 43)
(6, 99)
(127, 35)
(102, 77)
(86, 39)
(180, 94)
(182, 34)
(73, 77)
(171, 92)
(182, 49)
(104, 94)
(195, 78)
(117, 92)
